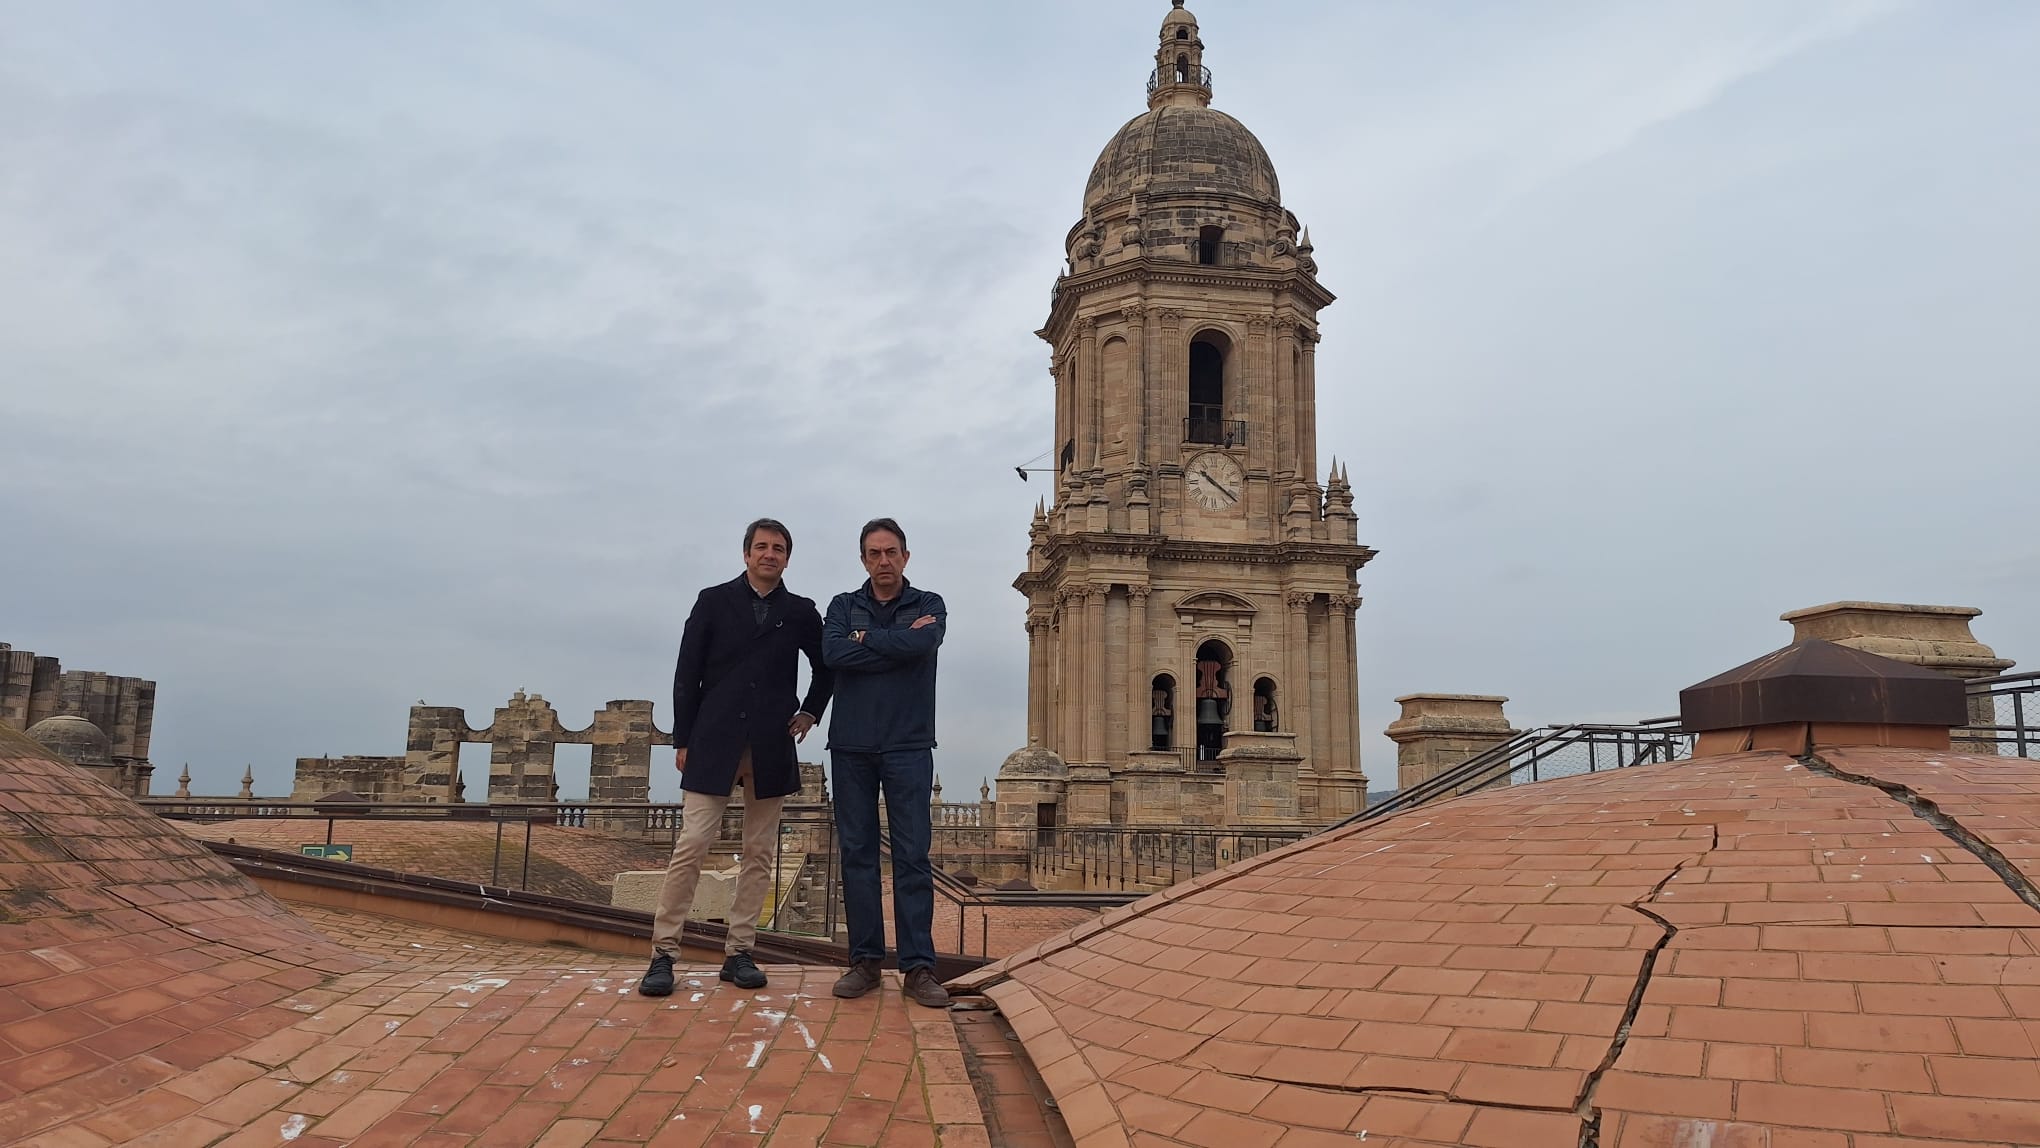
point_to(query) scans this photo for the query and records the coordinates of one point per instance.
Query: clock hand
(1221, 486)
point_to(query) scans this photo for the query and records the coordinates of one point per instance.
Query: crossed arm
(875, 651)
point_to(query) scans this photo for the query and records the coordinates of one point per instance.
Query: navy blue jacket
(885, 685)
(735, 687)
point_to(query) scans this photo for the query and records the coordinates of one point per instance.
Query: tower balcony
(1160, 77)
(1208, 424)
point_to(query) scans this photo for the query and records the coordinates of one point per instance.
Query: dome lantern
(1180, 78)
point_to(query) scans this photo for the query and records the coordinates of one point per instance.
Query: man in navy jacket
(735, 721)
(881, 641)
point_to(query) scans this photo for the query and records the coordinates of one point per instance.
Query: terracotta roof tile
(1836, 952)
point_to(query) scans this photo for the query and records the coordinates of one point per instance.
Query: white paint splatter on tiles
(295, 1126)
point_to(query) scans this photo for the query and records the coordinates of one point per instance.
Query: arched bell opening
(1214, 698)
(1162, 713)
(1267, 717)
(1209, 350)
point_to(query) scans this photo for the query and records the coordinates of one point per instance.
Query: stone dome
(1175, 149)
(1034, 761)
(73, 739)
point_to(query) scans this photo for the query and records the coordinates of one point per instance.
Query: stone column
(1174, 385)
(1256, 380)
(1097, 683)
(1285, 397)
(1438, 731)
(1139, 680)
(1137, 376)
(1321, 689)
(1118, 703)
(1037, 693)
(1055, 665)
(1306, 387)
(1091, 407)
(1345, 693)
(1294, 701)
(1074, 686)
(1936, 637)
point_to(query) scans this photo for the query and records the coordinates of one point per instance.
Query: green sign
(329, 852)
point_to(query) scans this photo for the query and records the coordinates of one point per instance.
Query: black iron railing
(1161, 76)
(1208, 424)
(1542, 754)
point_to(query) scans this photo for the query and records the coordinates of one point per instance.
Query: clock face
(1214, 480)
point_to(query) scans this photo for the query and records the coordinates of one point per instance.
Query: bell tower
(1191, 587)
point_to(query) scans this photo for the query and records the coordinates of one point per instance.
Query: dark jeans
(907, 778)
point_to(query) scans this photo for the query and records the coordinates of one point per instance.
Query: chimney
(1819, 693)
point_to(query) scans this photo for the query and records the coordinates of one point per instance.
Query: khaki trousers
(701, 817)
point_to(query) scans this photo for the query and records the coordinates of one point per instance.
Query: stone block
(640, 890)
(1439, 731)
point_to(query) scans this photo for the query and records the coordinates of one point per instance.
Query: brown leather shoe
(862, 978)
(923, 989)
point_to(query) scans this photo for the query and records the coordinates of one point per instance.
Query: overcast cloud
(356, 354)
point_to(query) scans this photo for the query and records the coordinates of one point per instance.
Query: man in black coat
(736, 718)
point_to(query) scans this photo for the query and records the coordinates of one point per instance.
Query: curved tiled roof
(1745, 949)
(128, 953)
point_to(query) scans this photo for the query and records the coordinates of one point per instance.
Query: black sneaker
(658, 981)
(740, 970)
(862, 978)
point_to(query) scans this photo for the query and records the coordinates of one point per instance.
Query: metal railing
(1209, 426)
(1160, 76)
(2013, 704)
(805, 841)
(1542, 754)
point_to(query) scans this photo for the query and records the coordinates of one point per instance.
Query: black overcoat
(736, 686)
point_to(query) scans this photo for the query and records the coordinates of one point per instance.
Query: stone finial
(984, 789)
(184, 781)
(935, 794)
(248, 783)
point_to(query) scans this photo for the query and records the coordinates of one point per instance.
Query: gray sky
(353, 354)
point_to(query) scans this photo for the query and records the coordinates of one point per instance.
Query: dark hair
(771, 524)
(878, 524)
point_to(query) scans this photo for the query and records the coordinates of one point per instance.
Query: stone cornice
(1058, 549)
(1156, 271)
